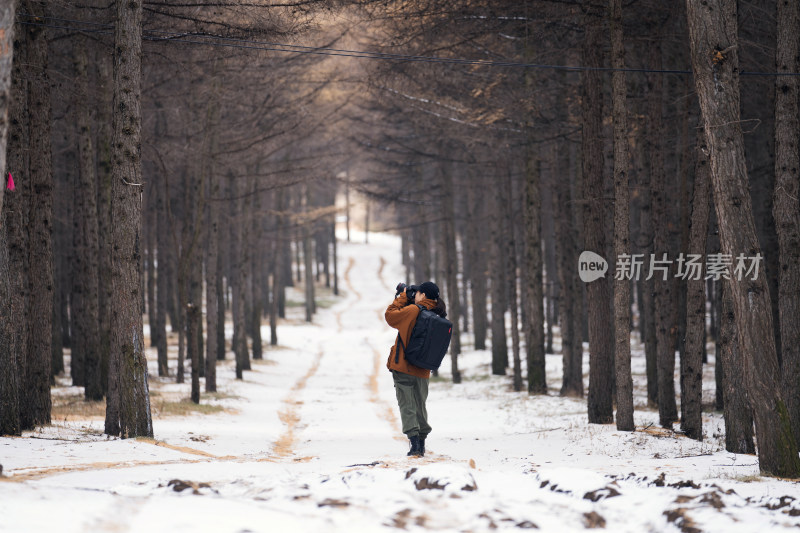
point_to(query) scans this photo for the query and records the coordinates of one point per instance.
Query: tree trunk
(532, 276)
(622, 285)
(220, 300)
(422, 250)
(309, 278)
(737, 412)
(335, 258)
(238, 282)
(509, 249)
(496, 271)
(570, 302)
(36, 410)
(647, 309)
(128, 403)
(15, 212)
(601, 342)
(85, 273)
(256, 273)
(662, 283)
(214, 306)
(150, 222)
(193, 317)
(104, 185)
(786, 208)
(451, 272)
(715, 62)
(9, 378)
(692, 360)
(476, 249)
(162, 275)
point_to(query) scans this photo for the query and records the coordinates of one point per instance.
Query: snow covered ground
(311, 441)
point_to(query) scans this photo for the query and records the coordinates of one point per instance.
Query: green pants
(411, 395)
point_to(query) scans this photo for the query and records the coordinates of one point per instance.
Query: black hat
(430, 289)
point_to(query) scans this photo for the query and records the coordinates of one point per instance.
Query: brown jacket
(402, 317)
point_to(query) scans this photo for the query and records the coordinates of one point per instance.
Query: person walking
(411, 382)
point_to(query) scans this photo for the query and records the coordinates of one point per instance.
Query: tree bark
(85, 274)
(36, 410)
(193, 315)
(9, 378)
(104, 182)
(13, 274)
(508, 248)
(335, 257)
(601, 342)
(663, 289)
(692, 360)
(214, 306)
(220, 301)
(478, 275)
(128, 402)
(736, 411)
(532, 276)
(570, 302)
(150, 221)
(715, 62)
(786, 208)
(497, 267)
(256, 273)
(647, 309)
(238, 282)
(162, 274)
(451, 273)
(622, 285)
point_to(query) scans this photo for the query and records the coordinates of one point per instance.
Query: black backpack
(429, 340)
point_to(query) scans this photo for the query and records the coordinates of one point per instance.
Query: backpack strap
(400, 341)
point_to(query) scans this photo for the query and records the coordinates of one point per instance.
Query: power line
(249, 44)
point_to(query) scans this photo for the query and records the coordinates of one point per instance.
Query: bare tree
(85, 290)
(9, 378)
(35, 409)
(128, 401)
(622, 287)
(601, 342)
(532, 276)
(786, 207)
(692, 360)
(715, 62)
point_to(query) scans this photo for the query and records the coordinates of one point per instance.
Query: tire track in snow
(339, 314)
(29, 474)
(289, 415)
(385, 410)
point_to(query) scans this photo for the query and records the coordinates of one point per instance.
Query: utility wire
(248, 44)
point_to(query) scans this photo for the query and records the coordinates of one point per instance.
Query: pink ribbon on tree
(11, 186)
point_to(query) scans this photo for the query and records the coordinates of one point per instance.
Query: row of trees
(154, 178)
(498, 163)
(524, 166)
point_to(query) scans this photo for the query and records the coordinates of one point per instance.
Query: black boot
(422, 445)
(415, 450)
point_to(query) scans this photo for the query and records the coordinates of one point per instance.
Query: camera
(411, 290)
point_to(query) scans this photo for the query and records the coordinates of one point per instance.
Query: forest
(588, 182)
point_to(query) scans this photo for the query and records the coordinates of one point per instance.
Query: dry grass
(73, 407)
(162, 407)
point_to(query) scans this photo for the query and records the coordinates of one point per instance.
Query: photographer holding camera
(411, 382)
